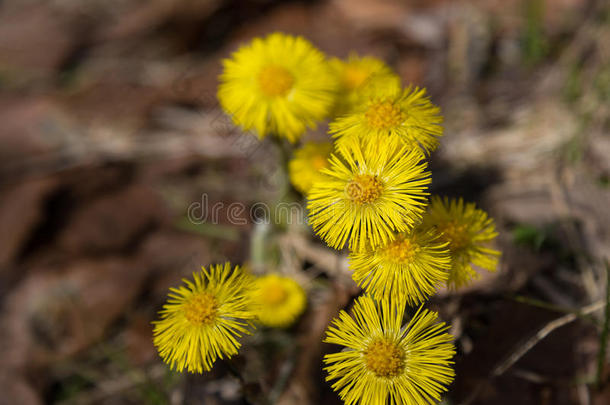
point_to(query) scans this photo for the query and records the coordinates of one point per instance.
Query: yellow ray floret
(357, 77)
(367, 196)
(304, 168)
(384, 362)
(412, 266)
(278, 85)
(203, 318)
(407, 115)
(278, 300)
(469, 232)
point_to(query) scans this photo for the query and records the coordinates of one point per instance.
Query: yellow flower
(407, 115)
(357, 76)
(277, 85)
(468, 230)
(278, 300)
(202, 319)
(304, 167)
(385, 362)
(369, 195)
(411, 266)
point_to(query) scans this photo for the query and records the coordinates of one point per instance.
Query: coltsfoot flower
(384, 362)
(407, 115)
(304, 168)
(411, 266)
(359, 76)
(278, 85)
(368, 196)
(203, 318)
(469, 232)
(278, 300)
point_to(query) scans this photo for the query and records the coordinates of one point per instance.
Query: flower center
(456, 234)
(354, 77)
(384, 358)
(275, 80)
(273, 292)
(402, 250)
(201, 309)
(384, 115)
(364, 188)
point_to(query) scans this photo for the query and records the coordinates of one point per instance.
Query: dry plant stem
(108, 388)
(331, 262)
(603, 339)
(301, 388)
(541, 334)
(521, 350)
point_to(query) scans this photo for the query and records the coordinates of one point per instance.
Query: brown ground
(110, 130)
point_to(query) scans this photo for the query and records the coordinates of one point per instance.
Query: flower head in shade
(367, 196)
(407, 115)
(278, 85)
(469, 231)
(203, 318)
(278, 300)
(384, 362)
(358, 76)
(304, 168)
(411, 266)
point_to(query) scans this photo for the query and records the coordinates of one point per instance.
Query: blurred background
(111, 135)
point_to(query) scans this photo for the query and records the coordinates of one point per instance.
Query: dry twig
(541, 334)
(522, 349)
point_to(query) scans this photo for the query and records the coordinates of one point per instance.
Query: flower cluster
(280, 85)
(203, 319)
(367, 191)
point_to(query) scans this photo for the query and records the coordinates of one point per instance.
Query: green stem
(285, 154)
(551, 307)
(249, 397)
(285, 373)
(234, 371)
(287, 195)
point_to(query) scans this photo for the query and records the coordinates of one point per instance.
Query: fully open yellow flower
(411, 266)
(368, 196)
(304, 168)
(278, 300)
(384, 362)
(407, 115)
(202, 319)
(358, 76)
(277, 85)
(469, 232)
